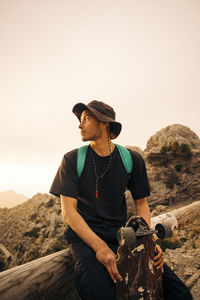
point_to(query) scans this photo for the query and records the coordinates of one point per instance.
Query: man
(94, 205)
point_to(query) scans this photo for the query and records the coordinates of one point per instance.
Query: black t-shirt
(110, 207)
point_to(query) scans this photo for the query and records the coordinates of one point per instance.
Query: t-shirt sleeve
(139, 183)
(66, 181)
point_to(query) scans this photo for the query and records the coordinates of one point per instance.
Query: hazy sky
(141, 57)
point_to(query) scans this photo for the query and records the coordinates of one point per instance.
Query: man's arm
(103, 253)
(142, 209)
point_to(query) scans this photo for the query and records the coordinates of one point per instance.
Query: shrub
(178, 167)
(172, 180)
(185, 149)
(163, 150)
(176, 149)
(170, 243)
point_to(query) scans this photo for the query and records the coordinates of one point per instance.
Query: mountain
(10, 198)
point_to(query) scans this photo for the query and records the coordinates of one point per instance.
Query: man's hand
(159, 260)
(107, 257)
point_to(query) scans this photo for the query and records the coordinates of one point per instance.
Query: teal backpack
(124, 153)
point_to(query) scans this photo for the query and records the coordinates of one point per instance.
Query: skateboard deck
(135, 262)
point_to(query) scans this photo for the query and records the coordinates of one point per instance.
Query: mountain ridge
(10, 198)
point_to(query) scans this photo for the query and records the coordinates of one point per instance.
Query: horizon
(142, 58)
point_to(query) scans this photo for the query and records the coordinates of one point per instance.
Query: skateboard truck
(127, 235)
(143, 229)
(137, 227)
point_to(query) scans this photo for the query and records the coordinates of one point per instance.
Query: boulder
(173, 133)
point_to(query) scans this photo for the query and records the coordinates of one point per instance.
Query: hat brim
(115, 127)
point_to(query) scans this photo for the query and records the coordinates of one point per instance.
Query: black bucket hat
(103, 112)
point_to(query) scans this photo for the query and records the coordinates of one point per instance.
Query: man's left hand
(159, 260)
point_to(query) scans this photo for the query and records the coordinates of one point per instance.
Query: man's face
(91, 128)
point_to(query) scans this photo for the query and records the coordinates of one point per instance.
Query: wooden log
(40, 277)
(187, 213)
(54, 272)
(182, 215)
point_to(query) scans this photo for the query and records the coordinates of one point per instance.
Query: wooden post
(54, 272)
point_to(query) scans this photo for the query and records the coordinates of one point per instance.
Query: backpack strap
(124, 153)
(81, 155)
(126, 158)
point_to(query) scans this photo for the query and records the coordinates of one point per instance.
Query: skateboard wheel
(163, 230)
(126, 236)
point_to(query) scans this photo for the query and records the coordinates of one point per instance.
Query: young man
(94, 205)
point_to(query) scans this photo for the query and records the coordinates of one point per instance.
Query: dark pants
(93, 281)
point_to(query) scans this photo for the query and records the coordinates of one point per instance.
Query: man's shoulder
(136, 156)
(70, 155)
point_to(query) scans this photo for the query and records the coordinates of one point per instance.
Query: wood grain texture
(39, 277)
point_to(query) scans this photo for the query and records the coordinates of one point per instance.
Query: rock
(159, 210)
(173, 175)
(173, 178)
(27, 230)
(5, 258)
(55, 219)
(137, 149)
(195, 290)
(186, 265)
(191, 281)
(170, 134)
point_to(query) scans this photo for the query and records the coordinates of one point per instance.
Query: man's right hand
(103, 253)
(107, 257)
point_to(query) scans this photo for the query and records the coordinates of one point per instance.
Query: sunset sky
(141, 57)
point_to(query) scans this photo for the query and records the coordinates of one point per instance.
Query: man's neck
(102, 147)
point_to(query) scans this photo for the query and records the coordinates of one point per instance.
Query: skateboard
(135, 260)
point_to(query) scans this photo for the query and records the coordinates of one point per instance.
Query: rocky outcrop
(173, 133)
(173, 178)
(32, 229)
(172, 158)
(186, 264)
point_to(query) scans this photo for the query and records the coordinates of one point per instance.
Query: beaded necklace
(98, 177)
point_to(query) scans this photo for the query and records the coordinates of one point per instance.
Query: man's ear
(107, 126)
